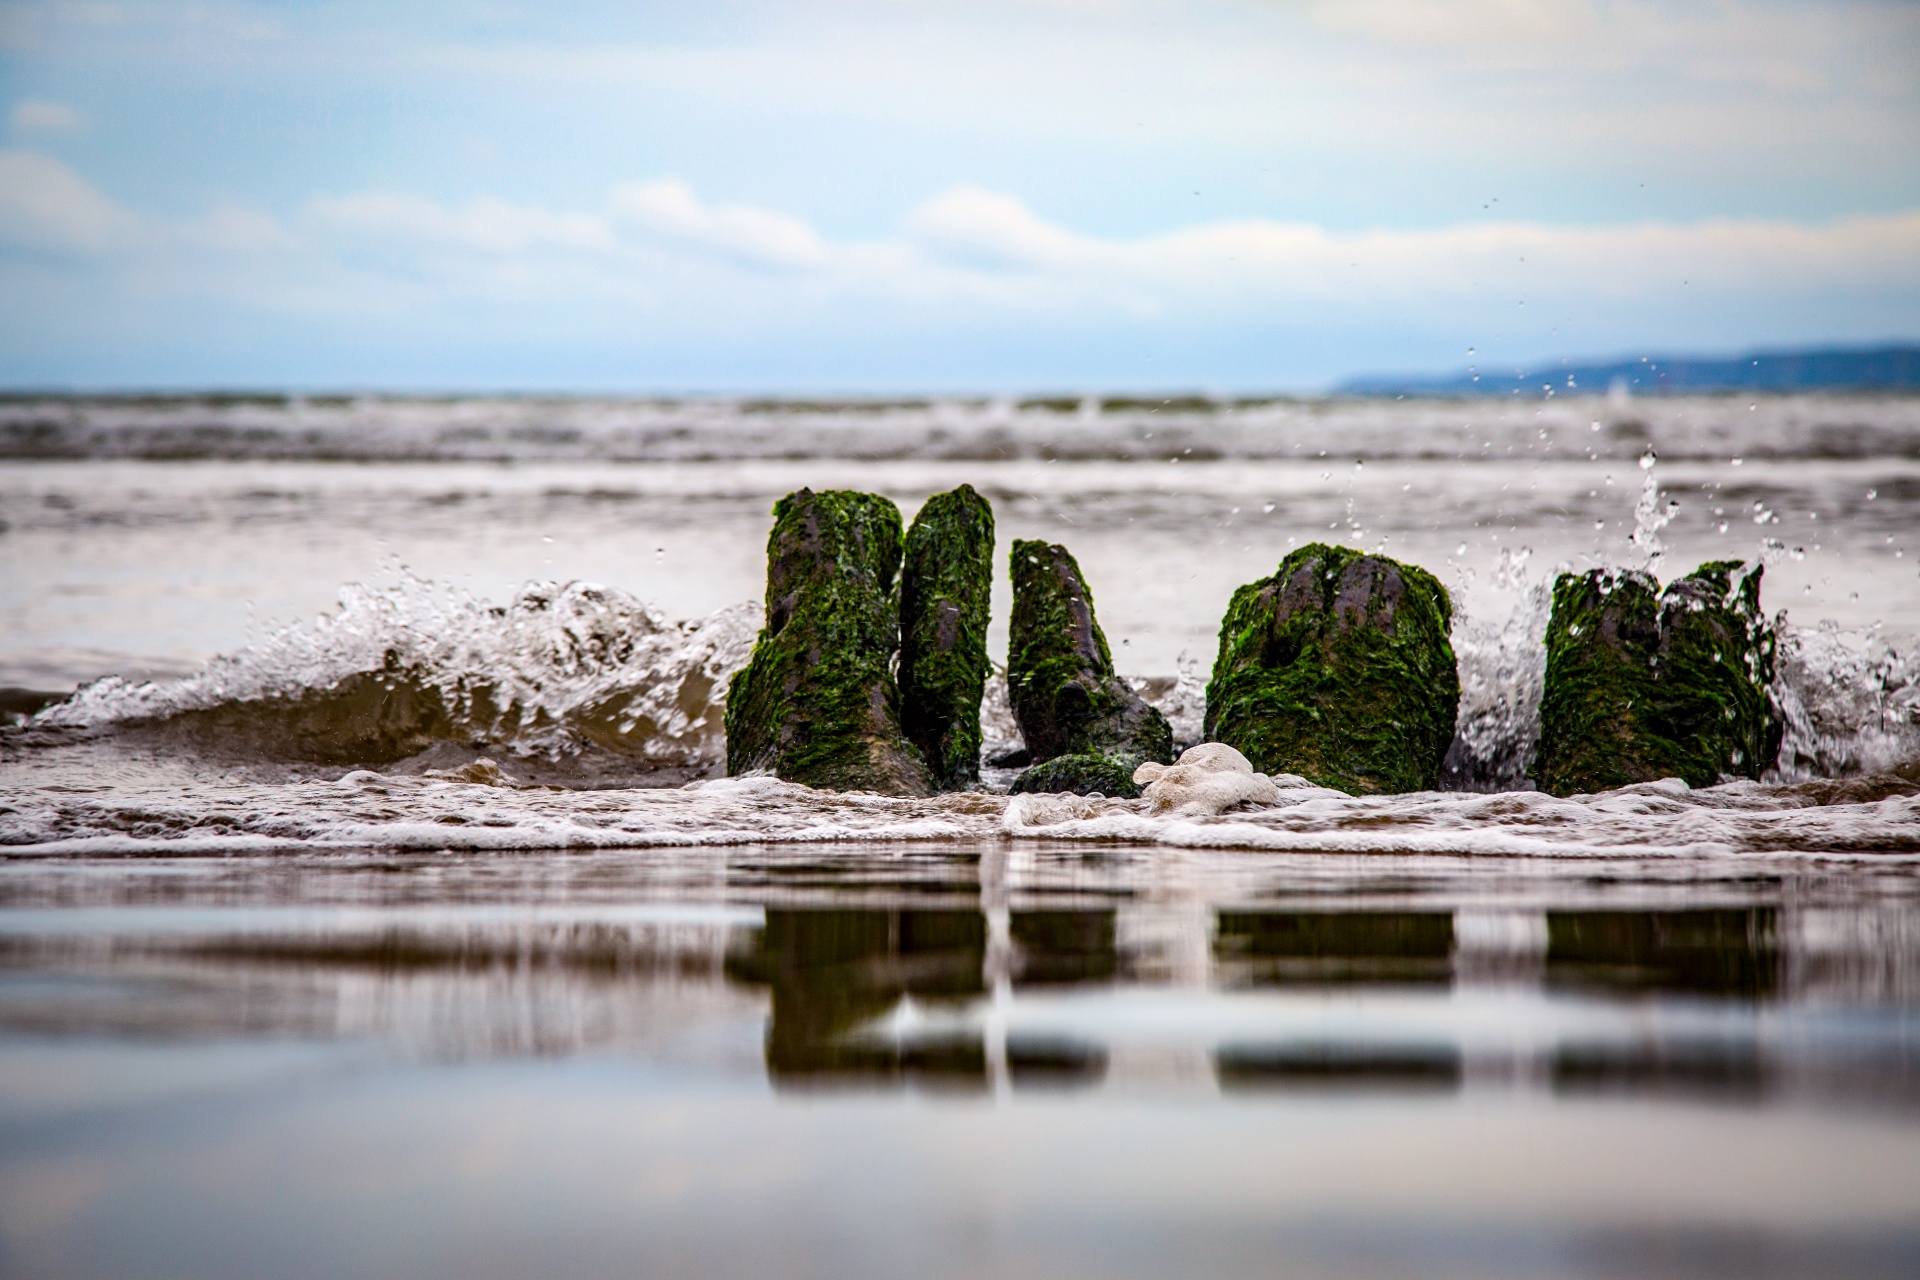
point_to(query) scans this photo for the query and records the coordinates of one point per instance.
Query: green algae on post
(1338, 668)
(946, 589)
(817, 703)
(1643, 684)
(1060, 675)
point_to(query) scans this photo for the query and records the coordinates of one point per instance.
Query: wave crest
(562, 668)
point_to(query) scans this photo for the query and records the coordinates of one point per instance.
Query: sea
(373, 900)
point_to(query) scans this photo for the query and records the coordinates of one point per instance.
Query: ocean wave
(561, 669)
(1851, 702)
(365, 810)
(582, 685)
(1189, 428)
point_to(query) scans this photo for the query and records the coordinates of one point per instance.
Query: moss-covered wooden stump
(1338, 668)
(1060, 678)
(817, 703)
(1083, 773)
(946, 587)
(1643, 684)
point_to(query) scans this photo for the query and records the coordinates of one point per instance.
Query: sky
(881, 196)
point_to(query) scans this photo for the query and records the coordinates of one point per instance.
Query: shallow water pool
(991, 1058)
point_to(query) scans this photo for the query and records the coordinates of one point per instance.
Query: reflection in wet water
(1716, 1053)
(1729, 954)
(1292, 948)
(833, 972)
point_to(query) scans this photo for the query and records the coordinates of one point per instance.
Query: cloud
(669, 211)
(36, 115)
(46, 206)
(972, 227)
(656, 267)
(971, 255)
(968, 230)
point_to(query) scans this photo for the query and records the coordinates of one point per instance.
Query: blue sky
(912, 195)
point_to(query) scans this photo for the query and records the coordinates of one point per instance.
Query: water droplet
(1647, 460)
(1268, 508)
(1460, 550)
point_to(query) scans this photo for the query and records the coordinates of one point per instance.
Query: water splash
(1651, 515)
(1502, 674)
(570, 668)
(561, 668)
(1184, 703)
(1851, 703)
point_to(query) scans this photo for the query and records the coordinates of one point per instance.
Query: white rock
(1207, 779)
(1216, 757)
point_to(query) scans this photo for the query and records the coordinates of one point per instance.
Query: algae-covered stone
(817, 703)
(1060, 675)
(1338, 668)
(1599, 722)
(946, 588)
(1643, 684)
(1716, 664)
(1083, 773)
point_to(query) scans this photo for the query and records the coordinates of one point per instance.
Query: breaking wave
(586, 686)
(561, 669)
(501, 429)
(485, 809)
(566, 669)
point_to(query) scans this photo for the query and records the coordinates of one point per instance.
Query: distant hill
(1837, 369)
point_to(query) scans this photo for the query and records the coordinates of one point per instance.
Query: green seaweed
(817, 703)
(1060, 675)
(1083, 773)
(1643, 684)
(1338, 668)
(946, 590)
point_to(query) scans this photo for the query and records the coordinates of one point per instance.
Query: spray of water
(562, 667)
(1850, 702)
(1502, 671)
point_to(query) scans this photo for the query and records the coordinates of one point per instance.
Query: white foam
(560, 666)
(480, 428)
(94, 806)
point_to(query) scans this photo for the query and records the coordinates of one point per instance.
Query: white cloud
(654, 264)
(668, 210)
(37, 115)
(45, 205)
(990, 254)
(971, 227)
